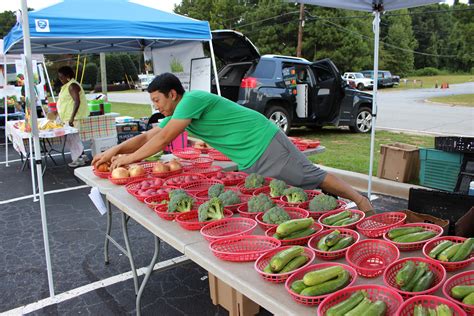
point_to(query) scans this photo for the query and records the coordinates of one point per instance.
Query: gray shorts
(283, 161)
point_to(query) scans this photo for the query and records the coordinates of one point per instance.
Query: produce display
(180, 202)
(341, 218)
(464, 293)
(120, 173)
(260, 203)
(229, 176)
(413, 278)
(211, 210)
(182, 178)
(276, 215)
(358, 304)
(410, 234)
(447, 251)
(295, 195)
(334, 241)
(321, 282)
(215, 190)
(322, 203)
(104, 167)
(287, 260)
(295, 228)
(440, 310)
(277, 187)
(161, 167)
(254, 181)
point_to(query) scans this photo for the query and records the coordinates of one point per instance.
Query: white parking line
(88, 288)
(54, 155)
(45, 193)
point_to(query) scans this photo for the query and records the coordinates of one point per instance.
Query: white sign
(97, 200)
(200, 74)
(42, 25)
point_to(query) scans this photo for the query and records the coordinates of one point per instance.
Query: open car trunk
(230, 78)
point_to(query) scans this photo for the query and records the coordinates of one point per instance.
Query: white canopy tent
(376, 7)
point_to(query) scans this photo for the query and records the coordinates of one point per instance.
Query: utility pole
(300, 31)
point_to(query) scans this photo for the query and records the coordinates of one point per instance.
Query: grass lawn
(458, 99)
(429, 82)
(348, 151)
(131, 109)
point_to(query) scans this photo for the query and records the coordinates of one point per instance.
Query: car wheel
(280, 117)
(360, 86)
(363, 123)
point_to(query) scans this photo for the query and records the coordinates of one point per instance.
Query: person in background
(72, 105)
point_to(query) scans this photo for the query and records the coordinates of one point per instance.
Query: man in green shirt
(245, 136)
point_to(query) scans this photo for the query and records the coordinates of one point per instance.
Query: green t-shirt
(239, 133)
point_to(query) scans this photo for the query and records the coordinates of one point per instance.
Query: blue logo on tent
(42, 24)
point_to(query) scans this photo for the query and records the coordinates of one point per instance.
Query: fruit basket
(410, 246)
(162, 211)
(301, 145)
(189, 220)
(244, 190)
(377, 225)
(331, 255)
(348, 226)
(296, 241)
(228, 227)
(217, 155)
(187, 153)
(311, 143)
(264, 260)
(311, 194)
(243, 248)
(427, 301)
(186, 177)
(155, 200)
(202, 162)
(230, 178)
(294, 212)
(101, 174)
(166, 174)
(449, 266)
(463, 278)
(208, 172)
(266, 190)
(143, 184)
(199, 185)
(243, 211)
(370, 257)
(127, 180)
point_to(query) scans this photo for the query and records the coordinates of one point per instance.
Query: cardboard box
(414, 217)
(399, 162)
(233, 301)
(99, 145)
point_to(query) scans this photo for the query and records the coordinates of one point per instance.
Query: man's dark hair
(66, 71)
(166, 82)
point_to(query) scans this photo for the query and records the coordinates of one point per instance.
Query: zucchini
(294, 225)
(469, 299)
(421, 269)
(347, 221)
(400, 231)
(427, 234)
(322, 275)
(439, 248)
(298, 286)
(343, 243)
(347, 305)
(378, 308)
(464, 251)
(448, 253)
(294, 264)
(300, 233)
(322, 243)
(267, 269)
(280, 260)
(337, 217)
(419, 310)
(405, 274)
(432, 312)
(461, 291)
(338, 283)
(424, 283)
(333, 238)
(443, 310)
(276, 236)
(359, 309)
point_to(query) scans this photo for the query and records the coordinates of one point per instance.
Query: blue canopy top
(93, 26)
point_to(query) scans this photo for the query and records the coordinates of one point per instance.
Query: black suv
(290, 91)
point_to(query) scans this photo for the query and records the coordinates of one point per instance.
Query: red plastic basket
(297, 241)
(370, 257)
(463, 278)
(266, 190)
(245, 190)
(301, 145)
(230, 178)
(331, 255)
(350, 226)
(449, 266)
(202, 162)
(228, 227)
(311, 194)
(101, 174)
(311, 143)
(187, 153)
(243, 248)
(392, 270)
(315, 300)
(429, 301)
(203, 196)
(243, 211)
(377, 225)
(217, 155)
(295, 139)
(392, 299)
(123, 181)
(182, 178)
(166, 174)
(189, 220)
(148, 166)
(199, 185)
(208, 172)
(410, 246)
(341, 206)
(294, 212)
(264, 260)
(134, 186)
(154, 200)
(162, 211)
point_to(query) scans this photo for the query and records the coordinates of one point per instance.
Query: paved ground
(76, 240)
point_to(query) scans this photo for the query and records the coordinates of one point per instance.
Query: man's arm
(74, 90)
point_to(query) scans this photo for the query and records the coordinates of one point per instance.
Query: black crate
(455, 144)
(124, 136)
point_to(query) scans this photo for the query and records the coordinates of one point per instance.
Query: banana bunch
(49, 125)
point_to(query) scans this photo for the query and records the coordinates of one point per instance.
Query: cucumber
(267, 269)
(276, 236)
(333, 238)
(337, 217)
(419, 310)
(432, 312)
(359, 309)
(298, 286)
(464, 251)
(424, 283)
(322, 243)
(300, 233)
(280, 260)
(461, 291)
(378, 308)
(400, 231)
(427, 234)
(469, 299)
(347, 305)
(294, 225)
(405, 274)
(443, 310)
(439, 248)
(347, 221)
(322, 275)
(448, 253)
(338, 283)
(421, 269)
(343, 243)
(294, 264)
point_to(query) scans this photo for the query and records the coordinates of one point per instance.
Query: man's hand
(101, 158)
(119, 161)
(365, 206)
(71, 123)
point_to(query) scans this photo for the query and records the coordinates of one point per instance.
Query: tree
(114, 68)
(90, 74)
(128, 66)
(7, 21)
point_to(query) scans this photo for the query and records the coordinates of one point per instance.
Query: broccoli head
(295, 195)
(260, 203)
(276, 215)
(277, 187)
(322, 203)
(211, 210)
(180, 202)
(229, 197)
(215, 190)
(253, 181)
(177, 191)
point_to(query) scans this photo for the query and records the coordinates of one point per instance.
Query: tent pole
(49, 82)
(216, 77)
(34, 124)
(6, 106)
(376, 26)
(103, 75)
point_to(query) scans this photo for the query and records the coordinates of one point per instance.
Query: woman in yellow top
(72, 104)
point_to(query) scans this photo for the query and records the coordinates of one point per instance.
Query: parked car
(144, 81)
(357, 80)
(290, 91)
(384, 79)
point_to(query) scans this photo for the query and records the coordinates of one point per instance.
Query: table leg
(148, 273)
(129, 251)
(107, 232)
